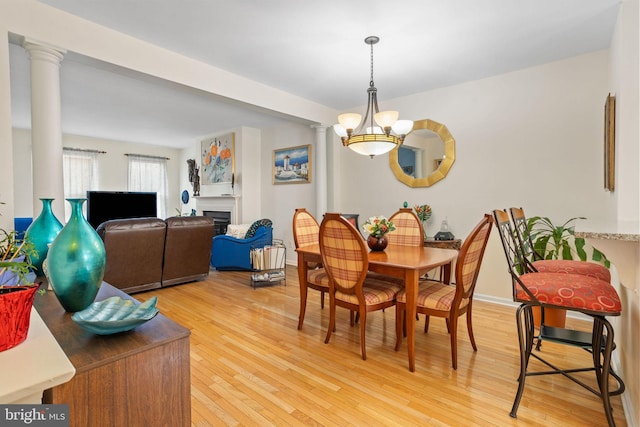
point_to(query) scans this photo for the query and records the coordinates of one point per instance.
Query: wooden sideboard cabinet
(135, 378)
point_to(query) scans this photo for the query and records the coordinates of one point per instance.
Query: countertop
(33, 366)
(606, 230)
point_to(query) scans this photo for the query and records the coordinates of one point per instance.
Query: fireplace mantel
(220, 196)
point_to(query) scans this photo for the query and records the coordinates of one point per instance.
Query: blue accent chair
(230, 253)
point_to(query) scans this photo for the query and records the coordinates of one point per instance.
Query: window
(148, 173)
(80, 172)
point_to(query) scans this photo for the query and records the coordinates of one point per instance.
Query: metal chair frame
(601, 336)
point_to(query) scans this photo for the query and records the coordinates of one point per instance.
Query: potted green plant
(17, 292)
(551, 241)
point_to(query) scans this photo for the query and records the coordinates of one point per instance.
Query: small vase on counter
(76, 261)
(41, 233)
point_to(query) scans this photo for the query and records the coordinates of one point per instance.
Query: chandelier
(372, 138)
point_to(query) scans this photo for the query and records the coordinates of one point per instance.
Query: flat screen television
(105, 205)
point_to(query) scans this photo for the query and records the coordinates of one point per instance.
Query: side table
(444, 244)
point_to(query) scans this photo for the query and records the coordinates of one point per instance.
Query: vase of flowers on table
(424, 214)
(378, 227)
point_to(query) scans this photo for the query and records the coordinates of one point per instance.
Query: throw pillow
(237, 230)
(254, 227)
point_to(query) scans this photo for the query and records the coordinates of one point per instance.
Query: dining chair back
(345, 257)
(409, 231)
(442, 300)
(574, 292)
(306, 231)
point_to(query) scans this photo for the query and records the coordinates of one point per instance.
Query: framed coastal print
(218, 159)
(292, 165)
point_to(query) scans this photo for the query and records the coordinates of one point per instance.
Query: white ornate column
(321, 170)
(46, 129)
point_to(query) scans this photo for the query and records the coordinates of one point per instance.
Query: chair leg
(363, 321)
(453, 334)
(303, 305)
(525, 341)
(400, 324)
(426, 323)
(322, 299)
(470, 329)
(332, 318)
(603, 369)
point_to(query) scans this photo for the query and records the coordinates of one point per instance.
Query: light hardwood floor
(251, 366)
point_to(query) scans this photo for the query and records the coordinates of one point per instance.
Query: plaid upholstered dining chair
(408, 230)
(346, 260)
(306, 231)
(451, 301)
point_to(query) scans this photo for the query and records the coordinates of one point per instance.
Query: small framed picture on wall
(292, 165)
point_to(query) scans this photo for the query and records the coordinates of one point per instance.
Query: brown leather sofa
(149, 253)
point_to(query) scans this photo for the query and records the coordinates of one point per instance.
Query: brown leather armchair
(187, 249)
(135, 249)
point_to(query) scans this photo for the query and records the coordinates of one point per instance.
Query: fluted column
(46, 129)
(321, 170)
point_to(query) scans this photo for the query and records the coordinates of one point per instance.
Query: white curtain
(80, 171)
(149, 174)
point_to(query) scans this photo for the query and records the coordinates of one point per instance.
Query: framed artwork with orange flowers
(218, 159)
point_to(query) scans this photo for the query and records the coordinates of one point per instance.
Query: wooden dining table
(405, 262)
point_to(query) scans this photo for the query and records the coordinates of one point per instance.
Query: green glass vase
(76, 261)
(41, 233)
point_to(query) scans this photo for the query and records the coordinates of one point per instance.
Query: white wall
(112, 168)
(624, 83)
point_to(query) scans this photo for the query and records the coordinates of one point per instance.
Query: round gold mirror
(425, 156)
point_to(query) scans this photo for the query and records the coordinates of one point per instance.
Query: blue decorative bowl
(114, 315)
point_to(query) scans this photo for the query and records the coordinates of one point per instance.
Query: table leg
(411, 287)
(447, 273)
(302, 279)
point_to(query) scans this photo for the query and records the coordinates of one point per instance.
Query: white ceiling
(313, 49)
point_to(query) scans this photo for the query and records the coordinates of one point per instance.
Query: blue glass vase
(76, 261)
(41, 234)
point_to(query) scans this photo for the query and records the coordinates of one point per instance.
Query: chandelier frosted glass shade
(386, 119)
(349, 120)
(402, 127)
(372, 144)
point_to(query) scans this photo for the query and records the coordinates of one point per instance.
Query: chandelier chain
(371, 84)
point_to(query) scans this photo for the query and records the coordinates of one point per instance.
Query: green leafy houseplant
(552, 241)
(16, 290)
(15, 256)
